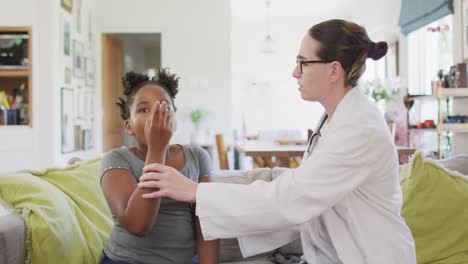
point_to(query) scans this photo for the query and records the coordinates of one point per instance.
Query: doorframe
(119, 30)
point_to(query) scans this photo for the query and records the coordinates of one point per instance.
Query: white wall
(40, 146)
(195, 44)
(25, 147)
(264, 92)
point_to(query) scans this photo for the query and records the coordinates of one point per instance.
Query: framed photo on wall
(67, 120)
(88, 103)
(67, 5)
(90, 30)
(465, 29)
(78, 63)
(78, 15)
(79, 103)
(67, 75)
(88, 139)
(66, 37)
(89, 69)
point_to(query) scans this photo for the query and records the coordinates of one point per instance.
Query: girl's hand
(169, 182)
(159, 127)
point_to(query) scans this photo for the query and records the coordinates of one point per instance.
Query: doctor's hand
(169, 182)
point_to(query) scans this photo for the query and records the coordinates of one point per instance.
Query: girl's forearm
(141, 213)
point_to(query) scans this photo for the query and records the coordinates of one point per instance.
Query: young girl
(161, 230)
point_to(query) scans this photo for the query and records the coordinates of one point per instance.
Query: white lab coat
(344, 200)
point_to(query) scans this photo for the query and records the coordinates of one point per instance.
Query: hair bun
(168, 80)
(377, 50)
(131, 79)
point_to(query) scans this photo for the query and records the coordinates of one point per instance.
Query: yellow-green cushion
(435, 207)
(67, 215)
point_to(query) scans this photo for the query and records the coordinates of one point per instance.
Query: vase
(197, 137)
(381, 106)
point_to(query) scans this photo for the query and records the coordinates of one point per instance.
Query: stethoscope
(315, 136)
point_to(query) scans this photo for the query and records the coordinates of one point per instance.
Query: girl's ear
(129, 128)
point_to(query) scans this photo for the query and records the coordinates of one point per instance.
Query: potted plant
(197, 116)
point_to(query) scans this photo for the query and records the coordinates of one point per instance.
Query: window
(429, 50)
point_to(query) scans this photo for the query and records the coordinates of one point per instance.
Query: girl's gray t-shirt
(172, 239)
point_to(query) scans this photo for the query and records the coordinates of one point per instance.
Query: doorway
(121, 53)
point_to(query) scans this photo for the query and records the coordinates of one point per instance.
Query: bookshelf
(443, 95)
(15, 80)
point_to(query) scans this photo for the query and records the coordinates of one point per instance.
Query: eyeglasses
(301, 62)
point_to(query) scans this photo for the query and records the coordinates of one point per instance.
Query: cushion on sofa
(230, 253)
(65, 211)
(457, 163)
(434, 207)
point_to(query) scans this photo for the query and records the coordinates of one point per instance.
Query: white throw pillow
(457, 163)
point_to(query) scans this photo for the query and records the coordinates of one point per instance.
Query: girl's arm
(208, 251)
(120, 188)
(125, 200)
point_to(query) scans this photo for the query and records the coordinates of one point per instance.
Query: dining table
(282, 154)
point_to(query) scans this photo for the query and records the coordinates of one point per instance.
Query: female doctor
(344, 200)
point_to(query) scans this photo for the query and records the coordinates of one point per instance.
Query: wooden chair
(222, 152)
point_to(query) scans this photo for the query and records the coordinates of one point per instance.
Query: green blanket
(68, 220)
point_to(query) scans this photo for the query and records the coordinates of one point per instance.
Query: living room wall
(39, 146)
(262, 82)
(197, 48)
(195, 44)
(31, 147)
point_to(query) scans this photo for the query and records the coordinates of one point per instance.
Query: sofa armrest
(457, 163)
(12, 239)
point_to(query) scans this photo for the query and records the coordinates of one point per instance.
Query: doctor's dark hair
(133, 82)
(347, 43)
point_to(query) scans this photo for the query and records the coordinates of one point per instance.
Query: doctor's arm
(207, 250)
(335, 169)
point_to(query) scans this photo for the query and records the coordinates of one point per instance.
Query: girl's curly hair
(133, 82)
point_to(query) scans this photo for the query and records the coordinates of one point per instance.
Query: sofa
(62, 217)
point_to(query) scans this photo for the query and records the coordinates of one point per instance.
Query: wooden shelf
(14, 73)
(422, 129)
(12, 77)
(452, 92)
(453, 127)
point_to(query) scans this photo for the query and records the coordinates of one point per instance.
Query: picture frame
(391, 60)
(67, 5)
(66, 37)
(78, 67)
(67, 120)
(79, 103)
(88, 139)
(67, 75)
(88, 104)
(90, 31)
(90, 68)
(78, 15)
(464, 16)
